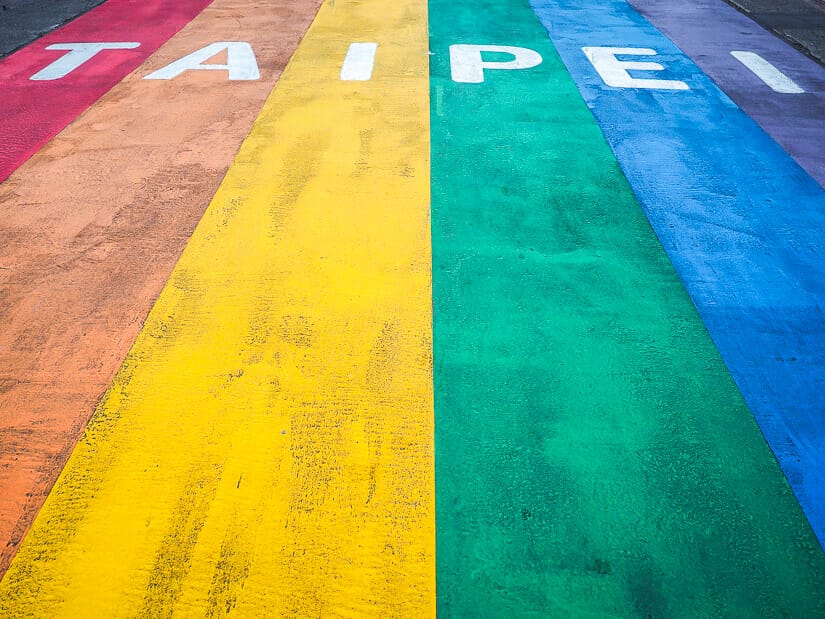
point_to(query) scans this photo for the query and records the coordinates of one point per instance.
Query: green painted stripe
(593, 456)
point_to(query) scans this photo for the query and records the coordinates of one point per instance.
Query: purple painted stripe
(708, 30)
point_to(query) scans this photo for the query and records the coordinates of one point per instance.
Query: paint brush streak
(39, 101)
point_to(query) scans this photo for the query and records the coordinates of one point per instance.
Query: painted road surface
(277, 405)
(593, 456)
(77, 285)
(711, 33)
(464, 330)
(739, 219)
(47, 84)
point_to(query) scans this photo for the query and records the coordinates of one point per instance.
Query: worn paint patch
(593, 456)
(267, 444)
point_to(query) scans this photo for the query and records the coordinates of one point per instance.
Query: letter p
(467, 65)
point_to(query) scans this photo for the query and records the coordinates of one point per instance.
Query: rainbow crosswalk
(410, 343)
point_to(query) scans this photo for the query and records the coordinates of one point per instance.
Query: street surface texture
(799, 22)
(361, 308)
(23, 21)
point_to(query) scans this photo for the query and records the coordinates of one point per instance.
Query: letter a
(240, 62)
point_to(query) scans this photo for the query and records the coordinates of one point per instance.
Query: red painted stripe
(33, 112)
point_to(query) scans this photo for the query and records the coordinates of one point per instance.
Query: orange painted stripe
(92, 226)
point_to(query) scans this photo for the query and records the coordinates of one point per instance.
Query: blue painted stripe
(741, 221)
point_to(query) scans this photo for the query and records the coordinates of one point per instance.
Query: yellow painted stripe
(267, 445)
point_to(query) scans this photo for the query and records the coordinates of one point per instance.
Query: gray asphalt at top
(800, 22)
(23, 21)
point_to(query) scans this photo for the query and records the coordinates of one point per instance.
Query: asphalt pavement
(799, 22)
(22, 21)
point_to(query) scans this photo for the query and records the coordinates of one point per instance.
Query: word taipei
(467, 63)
